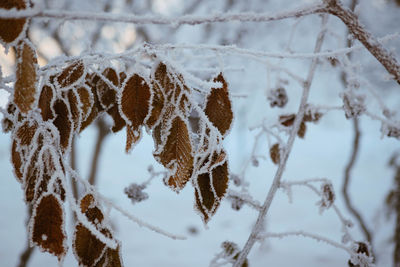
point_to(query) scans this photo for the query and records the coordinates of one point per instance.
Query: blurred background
(324, 152)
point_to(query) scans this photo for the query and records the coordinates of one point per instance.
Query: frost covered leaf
(86, 100)
(231, 252)
(10, 29)
(23, 137)
(218, 108)
(95, 106)
(47, 226)
(275, 154)
(25, 84)
(176, 154)
(302, 130)
(157, 102)
(111, 258)
(105, 92)
(46, 99)
(135, 98)
(25, 132)
(72, 100)
(16, 161)
(70, 75)
(132, 137)
(211, 187)
(287, 120)
(87, 248)
(63, 122)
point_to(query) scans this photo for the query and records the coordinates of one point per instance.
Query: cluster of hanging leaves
(48, 108)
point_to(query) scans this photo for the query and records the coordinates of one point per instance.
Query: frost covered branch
(278, 175)
(157, 19)
(348, 17)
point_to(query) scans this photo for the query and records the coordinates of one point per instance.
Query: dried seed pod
(278, 97)
(275, 153)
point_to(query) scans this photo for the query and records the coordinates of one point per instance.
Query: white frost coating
(149, 19)
(308, 235)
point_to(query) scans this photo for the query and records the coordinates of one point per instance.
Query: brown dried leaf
(91, 81)
(311, 115)
(275, 154)
(132, 137)
(90, 209)
(10, 29)
(25, 132)
(63, 123)
(85, 97)
(31, 171)
(212, 188)
(119, 122)
(45, 175)
(134, 101)
(157, 102)
(218, 107)
(70, 75)
(87, 248)
(287, 120)
(16, 161)
(177, 154)
(105, 93)
(47, 224)
(76, 115)
(302, 130)
(25, 84)
(111, 258)
(46, 99)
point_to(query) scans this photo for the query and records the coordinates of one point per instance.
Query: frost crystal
(135, 193)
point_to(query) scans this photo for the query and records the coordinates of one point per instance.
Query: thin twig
(347, 176)
(26, 254)
(103, 131)
(276, 182)
(353, 157)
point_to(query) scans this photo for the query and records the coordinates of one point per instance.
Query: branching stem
(276, 182)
